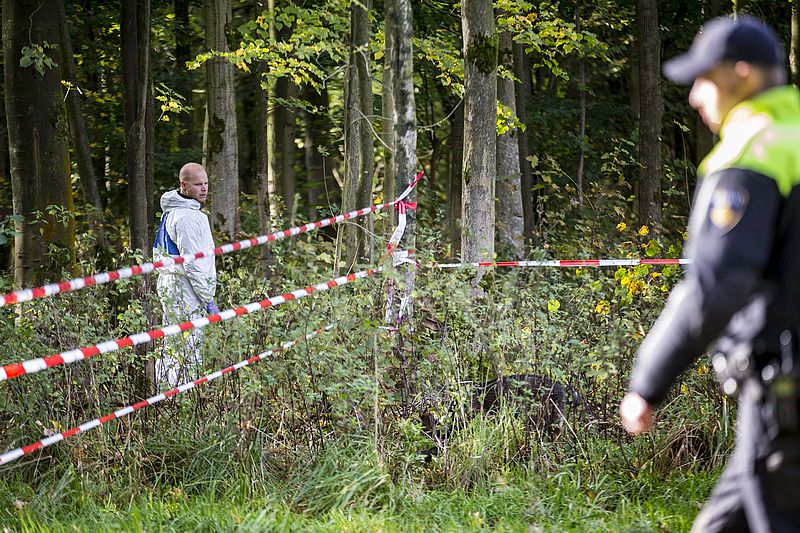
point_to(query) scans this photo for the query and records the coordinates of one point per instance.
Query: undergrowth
(336, 433)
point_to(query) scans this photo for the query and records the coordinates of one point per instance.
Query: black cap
(724, 39)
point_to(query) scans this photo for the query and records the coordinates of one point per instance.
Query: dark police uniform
(743, 289)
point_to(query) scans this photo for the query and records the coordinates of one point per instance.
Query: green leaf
(652, 249)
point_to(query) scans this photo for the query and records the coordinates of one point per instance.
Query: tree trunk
(454, 196)
(79, 133)
(523, 91)
(220, 142)
(480, 130)
(322, 189)
(400, 32)
(288, 152)
(150, 160)
(387, 121)
(353, 240)
(739, 6)
(704, 139)
(137, 102)
(794, 48)
(650, 109)
(262, 160)
(273, 185)
(509, 222)
(183, 86)
(135, 29)
(582, 112)
(6, 207)
(38, 146)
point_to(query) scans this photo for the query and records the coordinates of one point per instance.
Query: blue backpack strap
(163, 240)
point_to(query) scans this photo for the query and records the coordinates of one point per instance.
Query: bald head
(194, 182)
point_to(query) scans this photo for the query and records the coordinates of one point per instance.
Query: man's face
(715, 93)
(196, 186)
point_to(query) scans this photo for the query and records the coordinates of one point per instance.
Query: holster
(780, 379)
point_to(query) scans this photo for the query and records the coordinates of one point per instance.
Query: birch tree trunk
(480, 130)
(353, 239)
(220, 142)
(650, 109)
(78, 132)
(38, 148)
(509, 222)
(387, 121)
(273, 185)
(399, 25)
(262, 152)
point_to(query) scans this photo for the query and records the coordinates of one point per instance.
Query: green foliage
(36, 56)
(307, 38)
(507, 120)
(171, 102)
(544, 33)
(8, 228)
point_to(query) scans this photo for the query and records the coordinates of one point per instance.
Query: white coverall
(184, 290)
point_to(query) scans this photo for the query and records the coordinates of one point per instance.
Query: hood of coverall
(173, 200)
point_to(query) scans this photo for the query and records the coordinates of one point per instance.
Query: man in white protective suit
(187, 290)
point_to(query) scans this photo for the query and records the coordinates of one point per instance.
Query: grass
(345, 489)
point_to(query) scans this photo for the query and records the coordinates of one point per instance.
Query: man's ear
(743, 69)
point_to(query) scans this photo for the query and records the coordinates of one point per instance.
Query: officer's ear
(743, 69)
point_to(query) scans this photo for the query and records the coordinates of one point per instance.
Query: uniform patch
(728, 205)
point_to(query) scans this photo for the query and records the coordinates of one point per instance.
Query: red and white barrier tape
(402, 256)
(25, 295)
(13, 455)
(31, 366)
(569, 263)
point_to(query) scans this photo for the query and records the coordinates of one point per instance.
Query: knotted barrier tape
(13, 455)
(401, 256)
(25, 295)
(31, 366)
(568, 263)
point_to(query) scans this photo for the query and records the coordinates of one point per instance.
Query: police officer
(743, 287)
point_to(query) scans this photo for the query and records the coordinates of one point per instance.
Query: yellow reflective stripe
(762, 135)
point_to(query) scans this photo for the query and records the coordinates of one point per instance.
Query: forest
(439, 390)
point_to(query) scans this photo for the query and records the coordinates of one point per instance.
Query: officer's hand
(211, 308)
(636, 414)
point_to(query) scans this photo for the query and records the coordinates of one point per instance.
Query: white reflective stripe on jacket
(186, 289)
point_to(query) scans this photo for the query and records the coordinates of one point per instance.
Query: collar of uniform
(746, 121)
(776, 103)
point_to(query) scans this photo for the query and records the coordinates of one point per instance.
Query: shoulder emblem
(728, 205)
